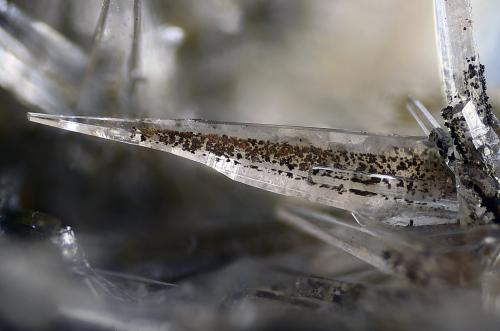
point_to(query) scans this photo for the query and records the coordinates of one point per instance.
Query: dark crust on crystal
(475, 79)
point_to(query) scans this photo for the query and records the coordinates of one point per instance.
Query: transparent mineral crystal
(112, 74)
(462, 71)
(426, 256)
(53, 74)
(471, 123)
(131, 60)
(399, 179)
(37, 63)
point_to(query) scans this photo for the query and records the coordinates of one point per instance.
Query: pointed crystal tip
(79, 124)
(50, 120)
(33, 117)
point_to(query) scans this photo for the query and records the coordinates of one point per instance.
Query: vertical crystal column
(469, 117)
(105, 84)
(459, 56)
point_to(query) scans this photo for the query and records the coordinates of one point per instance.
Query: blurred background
(340, 63)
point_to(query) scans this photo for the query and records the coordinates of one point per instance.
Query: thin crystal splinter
(422, 116)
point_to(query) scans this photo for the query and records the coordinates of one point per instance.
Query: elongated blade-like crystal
(399, 179)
